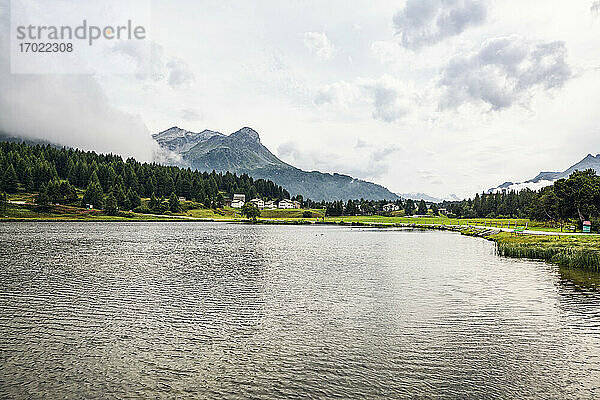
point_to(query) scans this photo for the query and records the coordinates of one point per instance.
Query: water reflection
(237, 311)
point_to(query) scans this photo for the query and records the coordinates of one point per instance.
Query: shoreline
(569, 250)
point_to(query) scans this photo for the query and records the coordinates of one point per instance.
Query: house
(89, 206)
(237, 203)
(270, 204)
(285, 203)
(442, 211)
(258, 203)
(181, 198)
(238, 200)
(389, 207)
(297, 204)
(227, 202)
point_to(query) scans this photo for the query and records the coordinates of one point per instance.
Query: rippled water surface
(192, 310)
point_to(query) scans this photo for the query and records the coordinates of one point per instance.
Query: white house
(389, 207)
(258, 203)
(285, 203)
(238, 200)
(270, 204)
(237, 203)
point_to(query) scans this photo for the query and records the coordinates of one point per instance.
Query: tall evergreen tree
(174, 203)
(10, 182)
(111, 206)
(422, 208)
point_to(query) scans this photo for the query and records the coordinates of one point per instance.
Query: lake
(214, 310)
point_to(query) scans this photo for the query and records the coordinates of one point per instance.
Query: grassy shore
(566, 251)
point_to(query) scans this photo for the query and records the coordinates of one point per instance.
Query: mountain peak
(247, 132)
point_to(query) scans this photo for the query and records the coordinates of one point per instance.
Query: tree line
(576, 198)
(107, 180)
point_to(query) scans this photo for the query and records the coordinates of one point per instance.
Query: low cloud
(426, 22)
(365, 161)
(70, 110)
(190, 115)
(180, 74)
(388, 97)
(151, 63)
(504, 71)
(318, 43)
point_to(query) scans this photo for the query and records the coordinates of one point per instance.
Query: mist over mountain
(428, 198)
(548, 178)
(242, 152)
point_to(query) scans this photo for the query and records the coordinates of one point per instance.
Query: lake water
(210, 310)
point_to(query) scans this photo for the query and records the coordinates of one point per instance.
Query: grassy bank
(566, 251)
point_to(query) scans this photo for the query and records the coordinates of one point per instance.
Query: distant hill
(428, 198)
(4, 137)
(547, 178)
(242, 152)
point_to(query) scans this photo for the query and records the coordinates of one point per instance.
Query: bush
(307, 214)
(143, 209)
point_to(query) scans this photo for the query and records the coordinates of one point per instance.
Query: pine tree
(153, 201)
(409, 207)
(111, 207)
(174, 203)
(422, 208)
(93, 195)
(133, 199)
(42, 198)
(10, 182)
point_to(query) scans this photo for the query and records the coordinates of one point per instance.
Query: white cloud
(180, 74)
(318, 43)
(425, 22)
(504, 71)
(388, 97)
(71, 110)
(152, 63)
(370, 161)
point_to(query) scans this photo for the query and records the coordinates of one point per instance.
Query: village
(239, 200)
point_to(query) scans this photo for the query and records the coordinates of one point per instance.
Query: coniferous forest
(109, 182)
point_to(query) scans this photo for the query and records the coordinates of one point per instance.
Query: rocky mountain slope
(242, 152)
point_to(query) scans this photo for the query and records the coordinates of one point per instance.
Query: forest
(109, 182)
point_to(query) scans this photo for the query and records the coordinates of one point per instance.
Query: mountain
(547, 178)
(242, 152)
(180, 141)
(428, 198)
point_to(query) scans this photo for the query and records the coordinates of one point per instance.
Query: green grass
(566, 251)
(60, 213)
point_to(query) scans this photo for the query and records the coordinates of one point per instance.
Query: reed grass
(566, 251)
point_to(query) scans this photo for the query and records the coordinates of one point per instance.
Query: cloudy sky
(434, 96)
